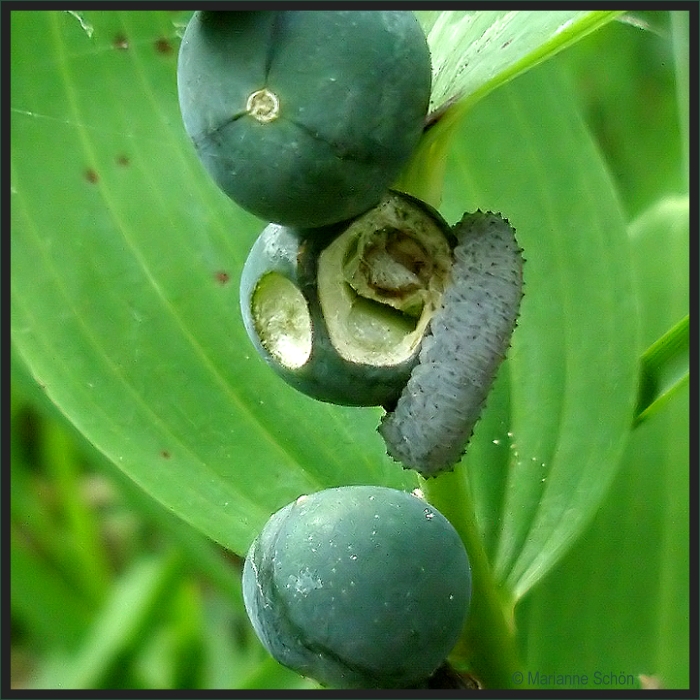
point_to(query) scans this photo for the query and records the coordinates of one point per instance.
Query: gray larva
(467, 341)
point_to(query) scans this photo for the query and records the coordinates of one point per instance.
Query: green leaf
(664, 370)
(664, 362)
(89, 560)
(539, 470)
(634, 558)
(125, 264)
(474, 52)
(680, 28)
(126, 260)
(627, 91)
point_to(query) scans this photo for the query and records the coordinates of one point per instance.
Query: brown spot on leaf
(222, 276)
(163, 46)
(165, 454)
(120, 42)
(91, 176)
(123, 160)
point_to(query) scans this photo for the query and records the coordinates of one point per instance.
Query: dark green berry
(358, 587)
(340, 314)
(304, 118)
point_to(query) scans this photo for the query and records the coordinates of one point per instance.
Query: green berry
(304, 118)
(340, 314)
(358, 587)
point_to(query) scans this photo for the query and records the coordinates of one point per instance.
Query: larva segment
(468, 338)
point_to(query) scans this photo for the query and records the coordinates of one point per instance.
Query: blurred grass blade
(660, 239)
(680, 37)
(133, 599)
(204, 557)
(664, 370)
(60, 456)
(43, 601)
(270, 675)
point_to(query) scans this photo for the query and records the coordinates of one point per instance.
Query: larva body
(467, 341)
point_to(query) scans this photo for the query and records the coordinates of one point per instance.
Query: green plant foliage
(664, 369)
(130, 358)
(553, 457)
(116, 367)
(495, 46)
(151, 240)
(633, 561)
(664, 363)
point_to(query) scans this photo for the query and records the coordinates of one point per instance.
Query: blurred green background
(110, 590)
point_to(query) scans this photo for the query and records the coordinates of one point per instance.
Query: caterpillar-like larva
(467, 340)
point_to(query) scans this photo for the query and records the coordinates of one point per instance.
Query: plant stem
(424, 176)
(487, 644)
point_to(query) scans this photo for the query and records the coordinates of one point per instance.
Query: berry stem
(424, 175)
(487, 645)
